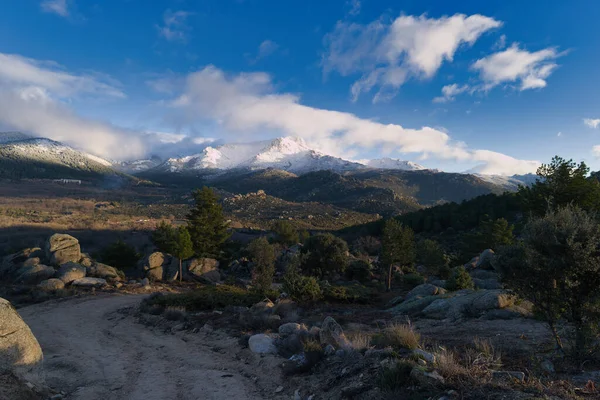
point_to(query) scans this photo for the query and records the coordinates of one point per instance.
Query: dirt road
(95, 350)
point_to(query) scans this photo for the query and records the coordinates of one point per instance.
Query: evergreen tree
(430, 254)
(557, 267)
(182, 247)
(559, 184)
(325, 255)
(398, 246)
(174, 241)
(262, 255)
(285, 233)
(206, 224)
(164, 236)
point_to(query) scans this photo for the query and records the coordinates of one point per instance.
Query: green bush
(358, 270)
(208, 298)
(413, 279)
(262, 254)
(460, 279)
(444, 271)
(347, 294)
(120, 255)
(430, 254)
(285, 233)
(324, 255)
(301, 288)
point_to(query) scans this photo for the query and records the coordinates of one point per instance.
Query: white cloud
(23, 71)
(515, 65)
(596, 151)
(246, 103)
(559, 134)
(389, 54)
(500, 43)
(449, 92)
(58, 7)
(265, 49)
(33, 98)
(354, 7)
(591, 122)
(175, 27)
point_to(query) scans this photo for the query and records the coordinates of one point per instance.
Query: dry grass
(175, 313)
(359, 340)
(398, 336)
(474, 364)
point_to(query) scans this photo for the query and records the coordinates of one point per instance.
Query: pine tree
(206, 224)
(262, 255)
(398, 246)
(182, 247)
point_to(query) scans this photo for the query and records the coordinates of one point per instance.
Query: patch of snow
(393, 163)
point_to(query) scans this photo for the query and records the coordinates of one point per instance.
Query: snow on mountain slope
(131, 167)
(287, 153)
(509, 182)
(22, 148)
(8, 137)
(393, 163)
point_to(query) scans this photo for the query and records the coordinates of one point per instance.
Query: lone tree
(174, 241)
(398, 246)
(557, 268)
(182, 247)
(560, 183)
(262, 255)
(285, 233)
(324, 255)
(206, 224)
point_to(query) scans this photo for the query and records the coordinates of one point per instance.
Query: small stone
(430, 358)
(426, 378)
(118, 285)
(279, 389)
(297, 395)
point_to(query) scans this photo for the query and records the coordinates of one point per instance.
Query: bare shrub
(398, 336)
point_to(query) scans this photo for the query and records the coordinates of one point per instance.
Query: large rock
(20, 352)
(71, 271)
(154, 264)
(332, 333)
(204, 269)
(11, 263)
(485, 260)
(483, 274)
(99, 270)
(292, 328)
(86, 260)
(468, 304)
(34, 274)
(424, 290)
(487, 284)
(414, 306)
(89, 282)
(51, 284)
(62, 248)
(262, 344)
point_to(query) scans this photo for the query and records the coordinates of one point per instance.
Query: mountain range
(286, 168)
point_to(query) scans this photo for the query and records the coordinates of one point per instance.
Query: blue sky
(359, 79)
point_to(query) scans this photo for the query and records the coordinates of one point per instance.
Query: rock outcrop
(62, 248)
(70, 271)
(20, 352)
(204, 269)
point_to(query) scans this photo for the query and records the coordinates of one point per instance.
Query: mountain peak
(394, 163)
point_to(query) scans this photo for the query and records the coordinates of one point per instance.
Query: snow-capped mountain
(394, 163)
(287, 153)
(131, 167)
(8, 137)
(511, 183)
(23, 155)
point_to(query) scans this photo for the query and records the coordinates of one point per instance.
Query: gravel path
(94, 349)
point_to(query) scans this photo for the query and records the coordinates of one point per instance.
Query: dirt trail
(95, 350)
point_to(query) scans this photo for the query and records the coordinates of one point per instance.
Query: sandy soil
(94, 349)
